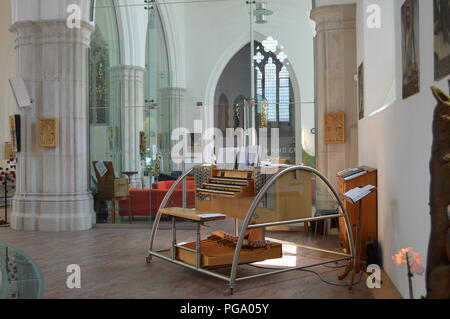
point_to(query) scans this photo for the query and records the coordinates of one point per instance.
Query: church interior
(265, 149)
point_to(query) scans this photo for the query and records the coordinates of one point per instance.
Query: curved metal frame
(246, 225)
(164, 204)
(256, 202)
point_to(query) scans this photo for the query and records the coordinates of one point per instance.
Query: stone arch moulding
(127, 37)
(220, 67)
(173, 43)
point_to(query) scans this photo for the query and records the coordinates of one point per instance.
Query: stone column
(127, 85)
(171, 112)
(336, 88)
(53, 184)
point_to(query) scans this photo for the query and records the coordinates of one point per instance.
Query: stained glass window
(273, 84)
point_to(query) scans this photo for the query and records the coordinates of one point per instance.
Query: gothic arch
(220, 66)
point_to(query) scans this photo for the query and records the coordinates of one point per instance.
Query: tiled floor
(113, 265)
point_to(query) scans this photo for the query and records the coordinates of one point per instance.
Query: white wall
(8, 70)
(397, 141)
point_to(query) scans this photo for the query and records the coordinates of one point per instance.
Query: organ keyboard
(228, 183)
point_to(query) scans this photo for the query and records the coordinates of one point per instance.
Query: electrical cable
(319, 275)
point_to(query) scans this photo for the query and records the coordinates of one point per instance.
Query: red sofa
(146, 202)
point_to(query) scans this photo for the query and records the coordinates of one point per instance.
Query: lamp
(261, 13)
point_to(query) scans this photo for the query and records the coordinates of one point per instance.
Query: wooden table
(115, 201)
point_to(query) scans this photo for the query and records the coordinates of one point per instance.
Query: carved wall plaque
(334, 128)
(48, 132)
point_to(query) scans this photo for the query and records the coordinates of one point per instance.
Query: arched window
(273, 85)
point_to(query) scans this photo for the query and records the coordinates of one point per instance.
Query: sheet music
(354, 176)
(210, 215)
(249, 157)
(226, 158)
(358, 193)
(101, 168)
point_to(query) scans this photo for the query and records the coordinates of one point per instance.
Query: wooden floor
(113, 265)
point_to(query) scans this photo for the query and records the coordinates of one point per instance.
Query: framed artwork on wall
(8, 152)
(441, 39)
(48, 132)
(361, 91)
(14, 128)
(410, 48)
(334, 128)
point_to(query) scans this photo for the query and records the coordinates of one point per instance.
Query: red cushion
(146, 202)
(166, 185)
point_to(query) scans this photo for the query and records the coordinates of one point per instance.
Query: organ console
(231, 192)
(257, 199)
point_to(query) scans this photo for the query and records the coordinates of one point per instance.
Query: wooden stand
(368, 217)
(112, 189)
(356, 266)
(358, 263)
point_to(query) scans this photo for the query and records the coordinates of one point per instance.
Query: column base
(52, 213)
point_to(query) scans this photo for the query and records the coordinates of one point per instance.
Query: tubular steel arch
(232, 278)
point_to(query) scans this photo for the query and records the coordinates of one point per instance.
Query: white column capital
(50, 32)
(24, 10)
(173, 92)
(127, 73)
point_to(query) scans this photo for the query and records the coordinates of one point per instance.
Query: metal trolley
(232, 279)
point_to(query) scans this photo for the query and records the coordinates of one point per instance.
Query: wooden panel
(8, 151)
(214, 254)
(109, 187)
(334, 130)
(232, 173)
(48, 132)
(369, 219)
(292, 197)
(188, 213)
(232, 207)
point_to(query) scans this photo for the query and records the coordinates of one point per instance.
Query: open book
(356, 194)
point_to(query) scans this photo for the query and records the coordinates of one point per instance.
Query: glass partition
(283, 62)
(156, 66)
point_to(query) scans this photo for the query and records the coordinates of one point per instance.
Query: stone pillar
(53, 183)
(171, 112)
(127, 85)
(336, 88)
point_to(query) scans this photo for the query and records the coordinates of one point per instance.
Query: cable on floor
(320, 276)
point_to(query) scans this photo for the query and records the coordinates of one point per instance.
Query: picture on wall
(441, 39)
(48, 132)
(361, 91)
(410, 48)
(334, 128)
(14, 128)
(8, 152)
